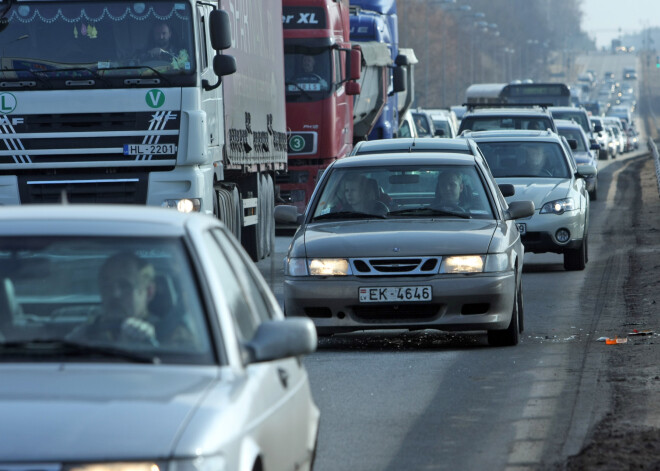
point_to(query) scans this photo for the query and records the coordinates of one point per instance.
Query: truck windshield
(86, 39)
(308, 73)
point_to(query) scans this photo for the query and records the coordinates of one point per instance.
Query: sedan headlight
(475, 263)
(558, 206)
(317, 267)
(329, 267)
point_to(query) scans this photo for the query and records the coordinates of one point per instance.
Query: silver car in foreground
(144, 339)
(432, 245)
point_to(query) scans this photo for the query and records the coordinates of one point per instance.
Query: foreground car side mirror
(284, 338)
(520, 209)
(594, 145)
(286, 214)
(586, 171)
(507, 189)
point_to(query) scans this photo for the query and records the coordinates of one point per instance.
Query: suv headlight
(558, 206)
(200, 463)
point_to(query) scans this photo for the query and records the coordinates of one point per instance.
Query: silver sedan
(144, 339)
(411, 241)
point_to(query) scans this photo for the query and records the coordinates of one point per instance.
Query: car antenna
(64, 199)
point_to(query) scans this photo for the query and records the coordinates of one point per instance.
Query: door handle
(284, 377)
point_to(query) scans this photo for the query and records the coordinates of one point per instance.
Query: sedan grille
(395, 266)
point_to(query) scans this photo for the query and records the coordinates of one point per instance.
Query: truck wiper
(92, 72)
(67, 347)
(138, 67)
(304, 92)
(35, 73)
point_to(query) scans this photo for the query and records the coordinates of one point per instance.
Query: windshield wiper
(426, 211)
(304, 92)
(35, 73)
(92, 72)
(348, 215)
(67, 347)
(138, 67)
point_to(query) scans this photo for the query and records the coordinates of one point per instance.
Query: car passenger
(535, 163)
(449, 191)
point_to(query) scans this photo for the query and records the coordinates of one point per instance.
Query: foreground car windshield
(403, 192)
(525, 159)
(83, 298)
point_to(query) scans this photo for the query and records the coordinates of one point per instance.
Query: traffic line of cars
(431, 233)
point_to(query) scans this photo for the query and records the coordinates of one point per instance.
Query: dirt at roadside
(629, 436)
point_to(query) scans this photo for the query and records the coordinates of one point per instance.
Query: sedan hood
(538, 190)
(400, 237)
(54, 413)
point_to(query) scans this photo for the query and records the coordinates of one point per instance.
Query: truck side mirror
(598, 128)
(399, 80)
(220, 30)
(355, 64)
(353, 88)
(224, 65)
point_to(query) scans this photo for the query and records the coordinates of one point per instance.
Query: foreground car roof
(94, 219)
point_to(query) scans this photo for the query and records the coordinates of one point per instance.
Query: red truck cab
(320, 69)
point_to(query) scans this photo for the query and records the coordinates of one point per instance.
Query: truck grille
(89, 139)
(119, 189)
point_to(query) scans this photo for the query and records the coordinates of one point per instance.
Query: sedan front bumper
(459, 302)
(541, 231)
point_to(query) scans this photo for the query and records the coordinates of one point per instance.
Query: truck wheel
(263, 216)
(238, 213)
(225, 209)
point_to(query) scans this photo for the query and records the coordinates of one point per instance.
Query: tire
(252, 236)
(511, 335)
(521, 310)
(576, 259)
(593, 194)
(269, 220)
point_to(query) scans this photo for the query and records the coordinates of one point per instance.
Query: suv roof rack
(471, 106)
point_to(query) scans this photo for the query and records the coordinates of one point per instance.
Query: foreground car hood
(96, 412)
(380, 238)
(538, 190)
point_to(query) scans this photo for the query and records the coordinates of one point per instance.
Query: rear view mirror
(353, 88)
(404, 179)
(399, 80)
(286, 214)
(355, 63)
(220, 30)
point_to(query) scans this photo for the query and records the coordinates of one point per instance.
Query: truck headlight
(558, 206)
(184, 205)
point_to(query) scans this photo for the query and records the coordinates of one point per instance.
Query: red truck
(321, 68)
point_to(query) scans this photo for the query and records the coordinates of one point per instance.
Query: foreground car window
(127, 295)
(403, 192)
(525, 159)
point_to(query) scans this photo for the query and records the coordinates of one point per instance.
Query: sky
(603, 18)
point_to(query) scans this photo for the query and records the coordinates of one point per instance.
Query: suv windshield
(490, 123)
(46, 42)
(525, 159)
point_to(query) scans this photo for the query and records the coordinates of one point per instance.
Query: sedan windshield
(110, 299)
(404, 192)
(46, 41)
(526, 159)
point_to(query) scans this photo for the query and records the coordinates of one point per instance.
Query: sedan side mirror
(594, 145)
(584, 171)
(507, 189)
(520, 209)
(283, 338)
(287, 214)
